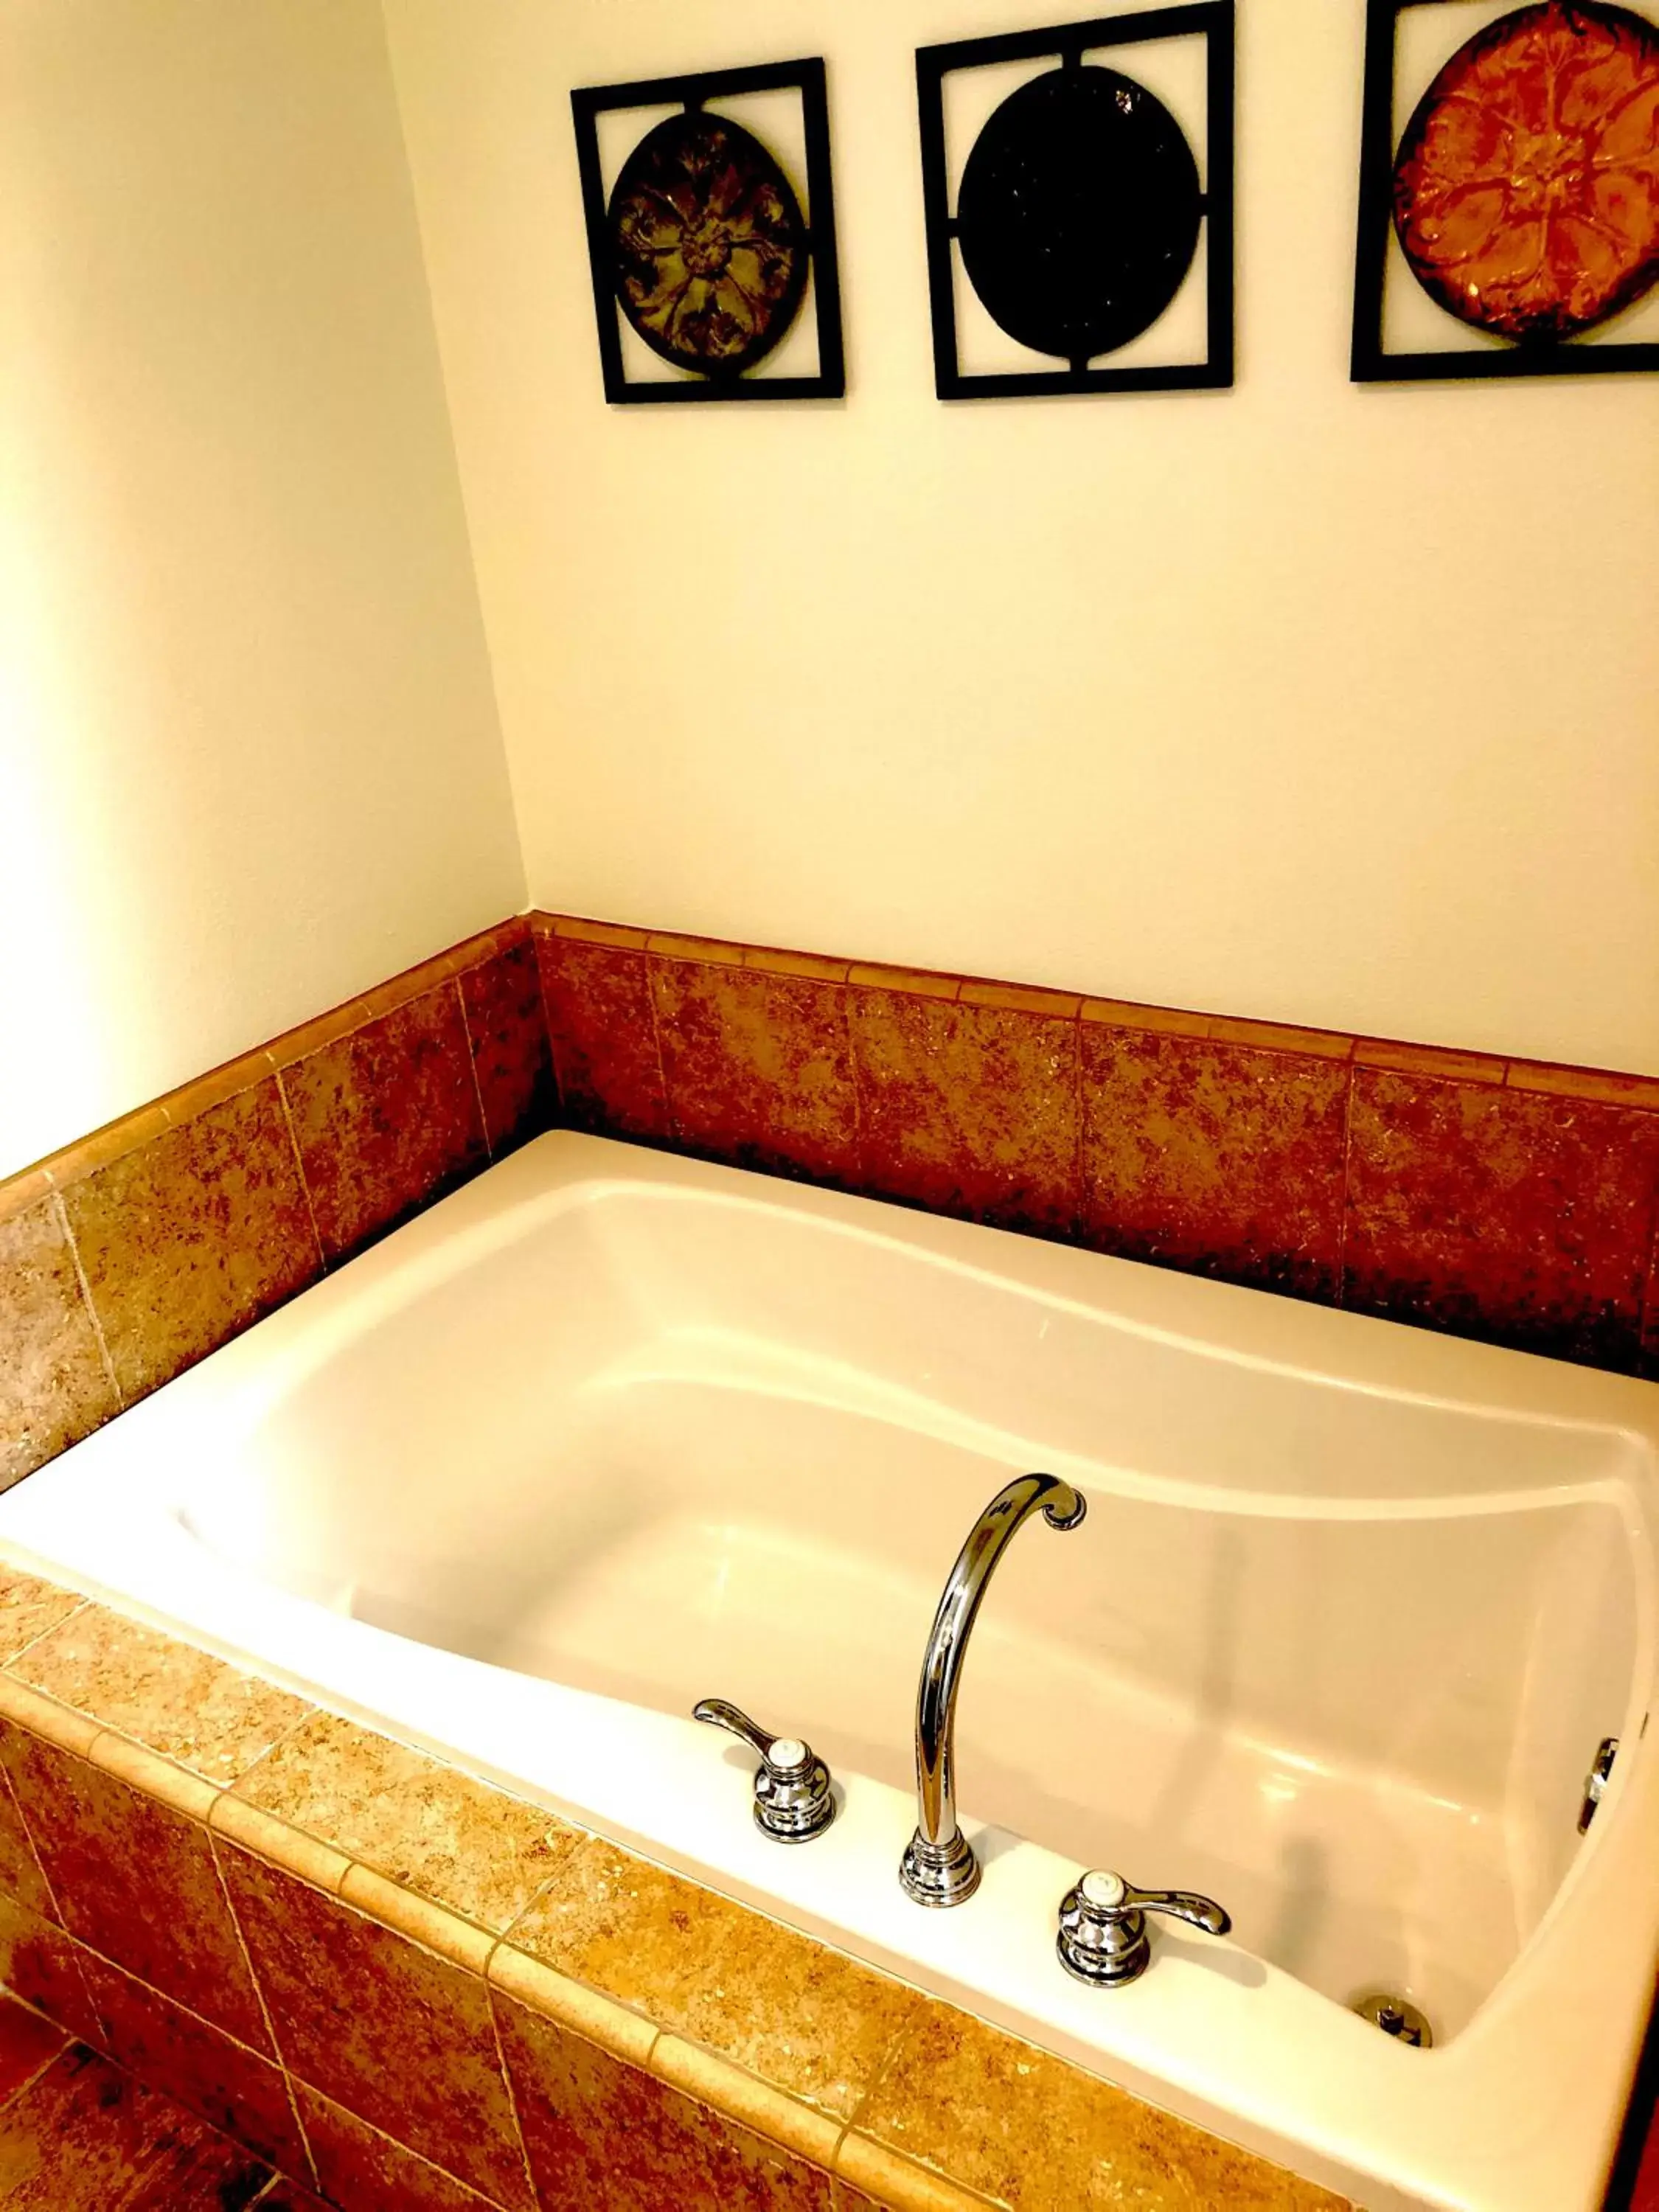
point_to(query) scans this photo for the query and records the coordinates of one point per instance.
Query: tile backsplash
(129, 1256)
(1504, 1200)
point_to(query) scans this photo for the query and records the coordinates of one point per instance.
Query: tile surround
(625, 2042)
(386, 1119)
(1291, 1160)
(56, 1385)
(89, 2138)
(1251, 1151)
(1219, 1157)
(189, 1816)
(758, 1066)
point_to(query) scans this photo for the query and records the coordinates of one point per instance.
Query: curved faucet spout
(938, 1866)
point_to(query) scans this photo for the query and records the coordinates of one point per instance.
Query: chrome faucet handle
(1102, 1926)
(793, 1801)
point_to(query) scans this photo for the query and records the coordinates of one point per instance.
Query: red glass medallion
(1525, 189)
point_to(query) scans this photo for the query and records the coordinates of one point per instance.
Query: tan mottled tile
(54, 1386)
(359, 2168)
(28, 1608)
(759, 1068)
(386, 1119)
(136, 1880)
(1214, 1158)
(401, 2038)
(1517, 1215)
(189, 1706)
(173, 2050)
(89, 2138)
(1026, 2129)
(605, 1039)
(600, 2132)
(436, 1830)
(968, 1108)
(802, 2016)
(193, 1238)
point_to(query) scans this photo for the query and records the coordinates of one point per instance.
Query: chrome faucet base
(794, 1814)
(792, 1797)
(1103, 1936)
(938, 1873)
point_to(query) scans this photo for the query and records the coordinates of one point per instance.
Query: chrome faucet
(939, 1867)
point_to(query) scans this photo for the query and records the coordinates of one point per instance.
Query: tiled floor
(78, 2135)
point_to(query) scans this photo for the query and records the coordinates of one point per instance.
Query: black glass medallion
(1079, 212)
(1081, 206)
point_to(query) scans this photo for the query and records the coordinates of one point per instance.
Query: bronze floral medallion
(710, 245)
(1526, 187)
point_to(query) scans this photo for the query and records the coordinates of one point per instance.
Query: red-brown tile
(86, 2137)
(601, 2132)
(175, 2051)
(363, 2170)
(759, 1068)
(29, 2043)
(507, 1030)
(40, 1964)
(19, 1870)
(604, 1042)
(1515, 1216)
(1214, 1158)
(190, 1240)
(345, 1995)
(136, 1880)
(968, 1110)
(386, 1119)
(288, 2196)
(54, 1387)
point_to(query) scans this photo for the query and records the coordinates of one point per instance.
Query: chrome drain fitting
(1398, 2017)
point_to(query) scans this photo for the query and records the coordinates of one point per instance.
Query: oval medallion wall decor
(1526, 187)
(1093, 196)
(710, 242)
(1079, 212)
(709, 245)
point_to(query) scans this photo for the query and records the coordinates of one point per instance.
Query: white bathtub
(607, 1432)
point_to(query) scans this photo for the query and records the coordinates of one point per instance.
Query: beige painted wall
(1307, 701)
(249, 756)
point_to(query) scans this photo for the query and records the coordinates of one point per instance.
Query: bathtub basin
(609, 1431)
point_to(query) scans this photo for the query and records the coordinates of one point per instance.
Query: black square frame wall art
(711, 235)
(1077, 189)
(1508, 190)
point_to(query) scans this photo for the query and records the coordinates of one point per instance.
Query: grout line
(55, 1915)
(90, 1303)
(278, 2053)
(1645, 1305)
(23, 2089)
(491, 2008)
(23, 1649)
(229, 1789)
(855, 1068)
(1340, 1295)
(472, 1066)
(534, 942)
(299, 1168)
(1080, 1148)
(647, 962)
